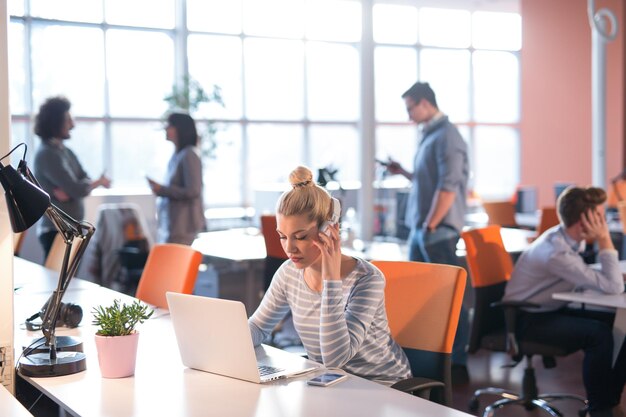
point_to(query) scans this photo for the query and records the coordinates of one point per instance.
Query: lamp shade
(26, 202)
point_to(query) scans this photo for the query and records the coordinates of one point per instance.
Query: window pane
(336, 146)
(225, 50)
(221, 16)
(398, 143)
(494, 30)
(274, 79)
(395, 24)
(447, 72)
(16, 7)
(333, 20)
(141, 72)
(58, 69)
(265, 143)
(130, 139)
(75, 10)
(496, 164)
(17, 71)
(280, 18)
(496, 87)
(20, 134)
(87, 142)
(223, 174)
(332, 81)
(444, 27)
(145, 13)
(395, 70)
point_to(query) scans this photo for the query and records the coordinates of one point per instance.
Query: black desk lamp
(26, 203)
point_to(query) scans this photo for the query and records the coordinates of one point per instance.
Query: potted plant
(116, 338)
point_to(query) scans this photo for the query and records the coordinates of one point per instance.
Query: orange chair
(170, 267)
(423, 303)
(493, 324)
(616, 193)
(275, 255)
(501, 213)
(54, 260)
(547, 219)
(18, 241)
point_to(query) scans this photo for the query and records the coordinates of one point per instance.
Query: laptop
(213, 336)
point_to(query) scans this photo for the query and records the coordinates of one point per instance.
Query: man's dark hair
(185, 129)
(419, 91)
(51, 117)
(574, 201)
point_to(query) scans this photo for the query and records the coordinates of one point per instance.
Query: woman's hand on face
(330, 248)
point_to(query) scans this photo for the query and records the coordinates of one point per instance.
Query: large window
(290, 76)
(471, 60)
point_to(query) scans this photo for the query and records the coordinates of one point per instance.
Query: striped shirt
(345, 326)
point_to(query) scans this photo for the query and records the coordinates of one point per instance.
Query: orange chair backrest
(547, 219)
(18, 241)
(54, 260)
(616, 192)
(488, 261)
(500, 212)
(169, 267)
(273, 248)
(621, 208)
(423, 303)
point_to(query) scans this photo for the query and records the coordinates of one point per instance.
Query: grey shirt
(441, 163)
(56, 166)
(180, 206)
(552, 264)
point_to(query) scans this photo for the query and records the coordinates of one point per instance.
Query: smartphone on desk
(326, 379)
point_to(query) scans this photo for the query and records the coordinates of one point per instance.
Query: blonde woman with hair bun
(337, 301)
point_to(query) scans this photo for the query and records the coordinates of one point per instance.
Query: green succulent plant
(120, 319)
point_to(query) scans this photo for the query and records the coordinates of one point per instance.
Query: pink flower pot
(117, 355)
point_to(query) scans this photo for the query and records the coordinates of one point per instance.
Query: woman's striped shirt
(345, 326)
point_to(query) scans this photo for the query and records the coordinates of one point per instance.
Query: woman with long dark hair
(180, 210)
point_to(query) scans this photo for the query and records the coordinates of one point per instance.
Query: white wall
(6, 237)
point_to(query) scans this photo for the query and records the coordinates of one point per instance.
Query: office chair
(493, 324)
(18, 241)
(423, 302)
(275, 255)
(54, 260)
(547, 218)
(274, 258)
(616, 191)
(170, 267)
(501, 213)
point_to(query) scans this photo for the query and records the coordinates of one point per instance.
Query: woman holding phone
(180, 211)
(337, 301)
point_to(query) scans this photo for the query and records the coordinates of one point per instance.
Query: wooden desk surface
(162, 386)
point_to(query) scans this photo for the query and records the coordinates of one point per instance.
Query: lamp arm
(76, 234)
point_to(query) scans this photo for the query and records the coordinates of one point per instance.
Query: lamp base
(64, 344)
(40, 365)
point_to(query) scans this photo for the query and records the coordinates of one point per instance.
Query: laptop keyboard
(268, 370)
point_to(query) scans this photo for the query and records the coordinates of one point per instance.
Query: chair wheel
(473, 405)
(582, 412)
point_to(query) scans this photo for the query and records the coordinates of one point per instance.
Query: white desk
(10, 406)
(617, 301)
(162, 386)
(31, 277)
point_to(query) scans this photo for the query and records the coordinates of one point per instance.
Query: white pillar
(6, 235)
(367, 125)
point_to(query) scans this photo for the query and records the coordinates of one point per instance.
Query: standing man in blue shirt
(436, 204)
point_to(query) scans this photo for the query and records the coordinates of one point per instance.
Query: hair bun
(301, 177)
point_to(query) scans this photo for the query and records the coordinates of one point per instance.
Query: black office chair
(494, 324)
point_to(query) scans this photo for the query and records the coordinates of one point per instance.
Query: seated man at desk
(552, 264)
(337, 301)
